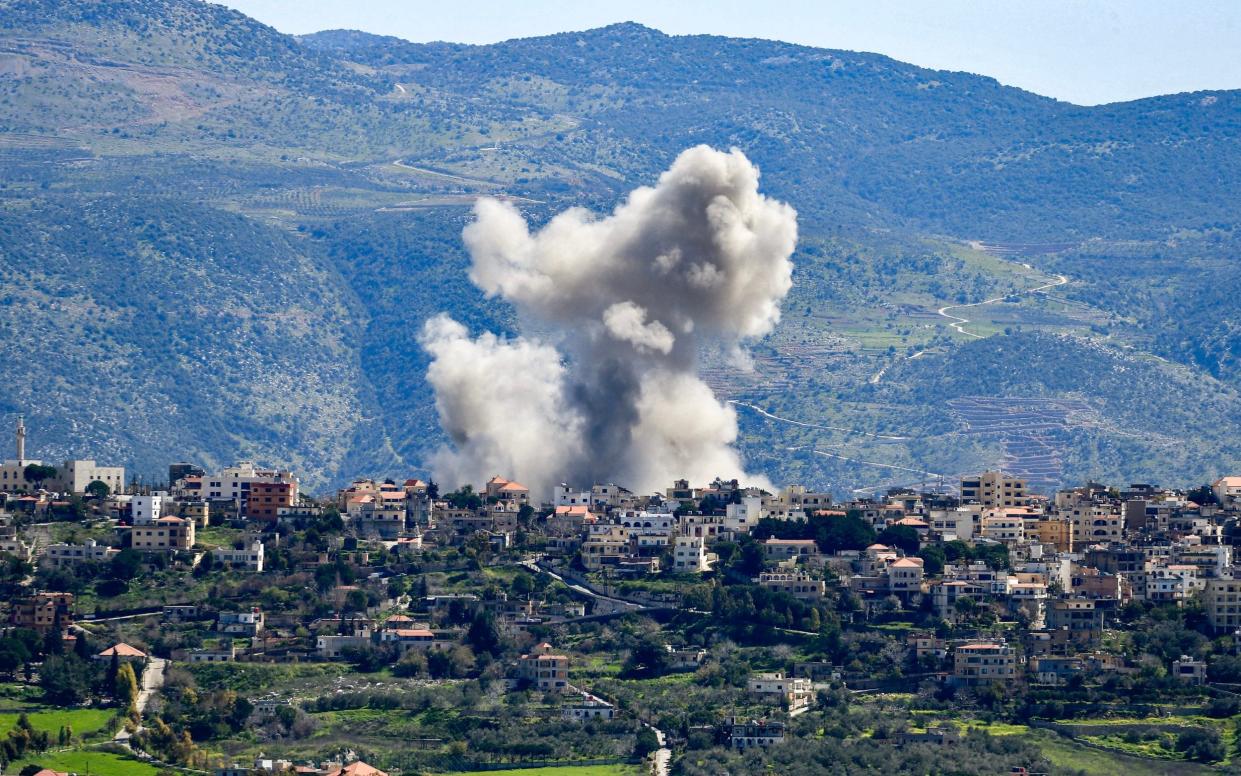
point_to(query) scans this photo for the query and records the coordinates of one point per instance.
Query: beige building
(984, 662)
(994, 489)
(544, 670)
(798, 584)
(1006, 525)
(1221, 598)
(166, 534)
(792, 693)
(73, 476)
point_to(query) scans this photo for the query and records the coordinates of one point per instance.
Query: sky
(1083, 51)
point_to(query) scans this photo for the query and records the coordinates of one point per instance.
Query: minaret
(21, 440)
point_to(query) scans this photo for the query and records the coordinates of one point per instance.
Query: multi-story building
(248, 622)
(792, 693)
(746, 734)
(905, 575)
(798, 584)
(74, 476)
(146, 509)
(544, 670)
(1080, 617)
(248, 558)
(236, 483)
(994, 490)
(90, 551)
(690, 556)
(788, 549)
(1221, 598)
(166, 534)
(980, 663)
(266, 499)
(43, 612)
(1007, 526)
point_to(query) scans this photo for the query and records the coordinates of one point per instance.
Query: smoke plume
(613, 393)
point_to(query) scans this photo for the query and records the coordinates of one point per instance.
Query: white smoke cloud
(502, 404)
(626, 321)
(700, 255)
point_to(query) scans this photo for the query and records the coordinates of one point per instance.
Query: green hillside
(219, 241)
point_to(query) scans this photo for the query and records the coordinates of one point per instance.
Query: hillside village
(229, 622)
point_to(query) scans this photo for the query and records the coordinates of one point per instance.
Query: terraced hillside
(219, 241)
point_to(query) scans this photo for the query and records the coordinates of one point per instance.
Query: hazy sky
(1084, 51)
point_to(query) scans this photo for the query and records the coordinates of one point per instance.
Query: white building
(249, 558)
(73, 476)
(147, 509)
(233, 483)
(791, 692)
(89, 551)
(690, 556)
(741, 518)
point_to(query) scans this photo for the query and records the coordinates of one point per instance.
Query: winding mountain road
(804, 424)
(959, 321)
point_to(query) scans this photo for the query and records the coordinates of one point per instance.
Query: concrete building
(248, 558)
(236, 483)
(43, 611)
(798, 584)
(145, 510)
(545, 671)
(90, 551)
(994, 490)
(792, 693)
(981, 663)
(1221, 598)
(747, 734)
(73, 476)
(248, 622)
(167, 534)
(690, 556)
(787, 549)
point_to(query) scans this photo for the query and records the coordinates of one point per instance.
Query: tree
(932, 560)
(37, 473)
(125, 689)
(645, 743)
(126, 564)
(649, 657)
(483, 637)
(901, 537)
(98, 490)
(65, 680)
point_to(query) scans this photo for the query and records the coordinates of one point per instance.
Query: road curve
(958, 320)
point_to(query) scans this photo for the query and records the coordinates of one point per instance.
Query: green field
(86, 763)
(1065, 754)
(84, 722)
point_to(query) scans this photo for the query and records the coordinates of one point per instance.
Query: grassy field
(257, 677)
(87, 763)
(84, 722)
(1065, 754)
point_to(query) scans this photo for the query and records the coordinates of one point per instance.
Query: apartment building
(980, 663)
(237, 482)
(1221, 598)
(43, 611)
(798, 584)
(166, 534)
(792, 693)
(248, 558)
(544, 670)
(994, 490)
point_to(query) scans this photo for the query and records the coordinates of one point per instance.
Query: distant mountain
(219, 241)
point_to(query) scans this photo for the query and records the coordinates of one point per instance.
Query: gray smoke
(613, 393)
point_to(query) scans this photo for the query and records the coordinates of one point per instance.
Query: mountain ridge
(349, 162)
